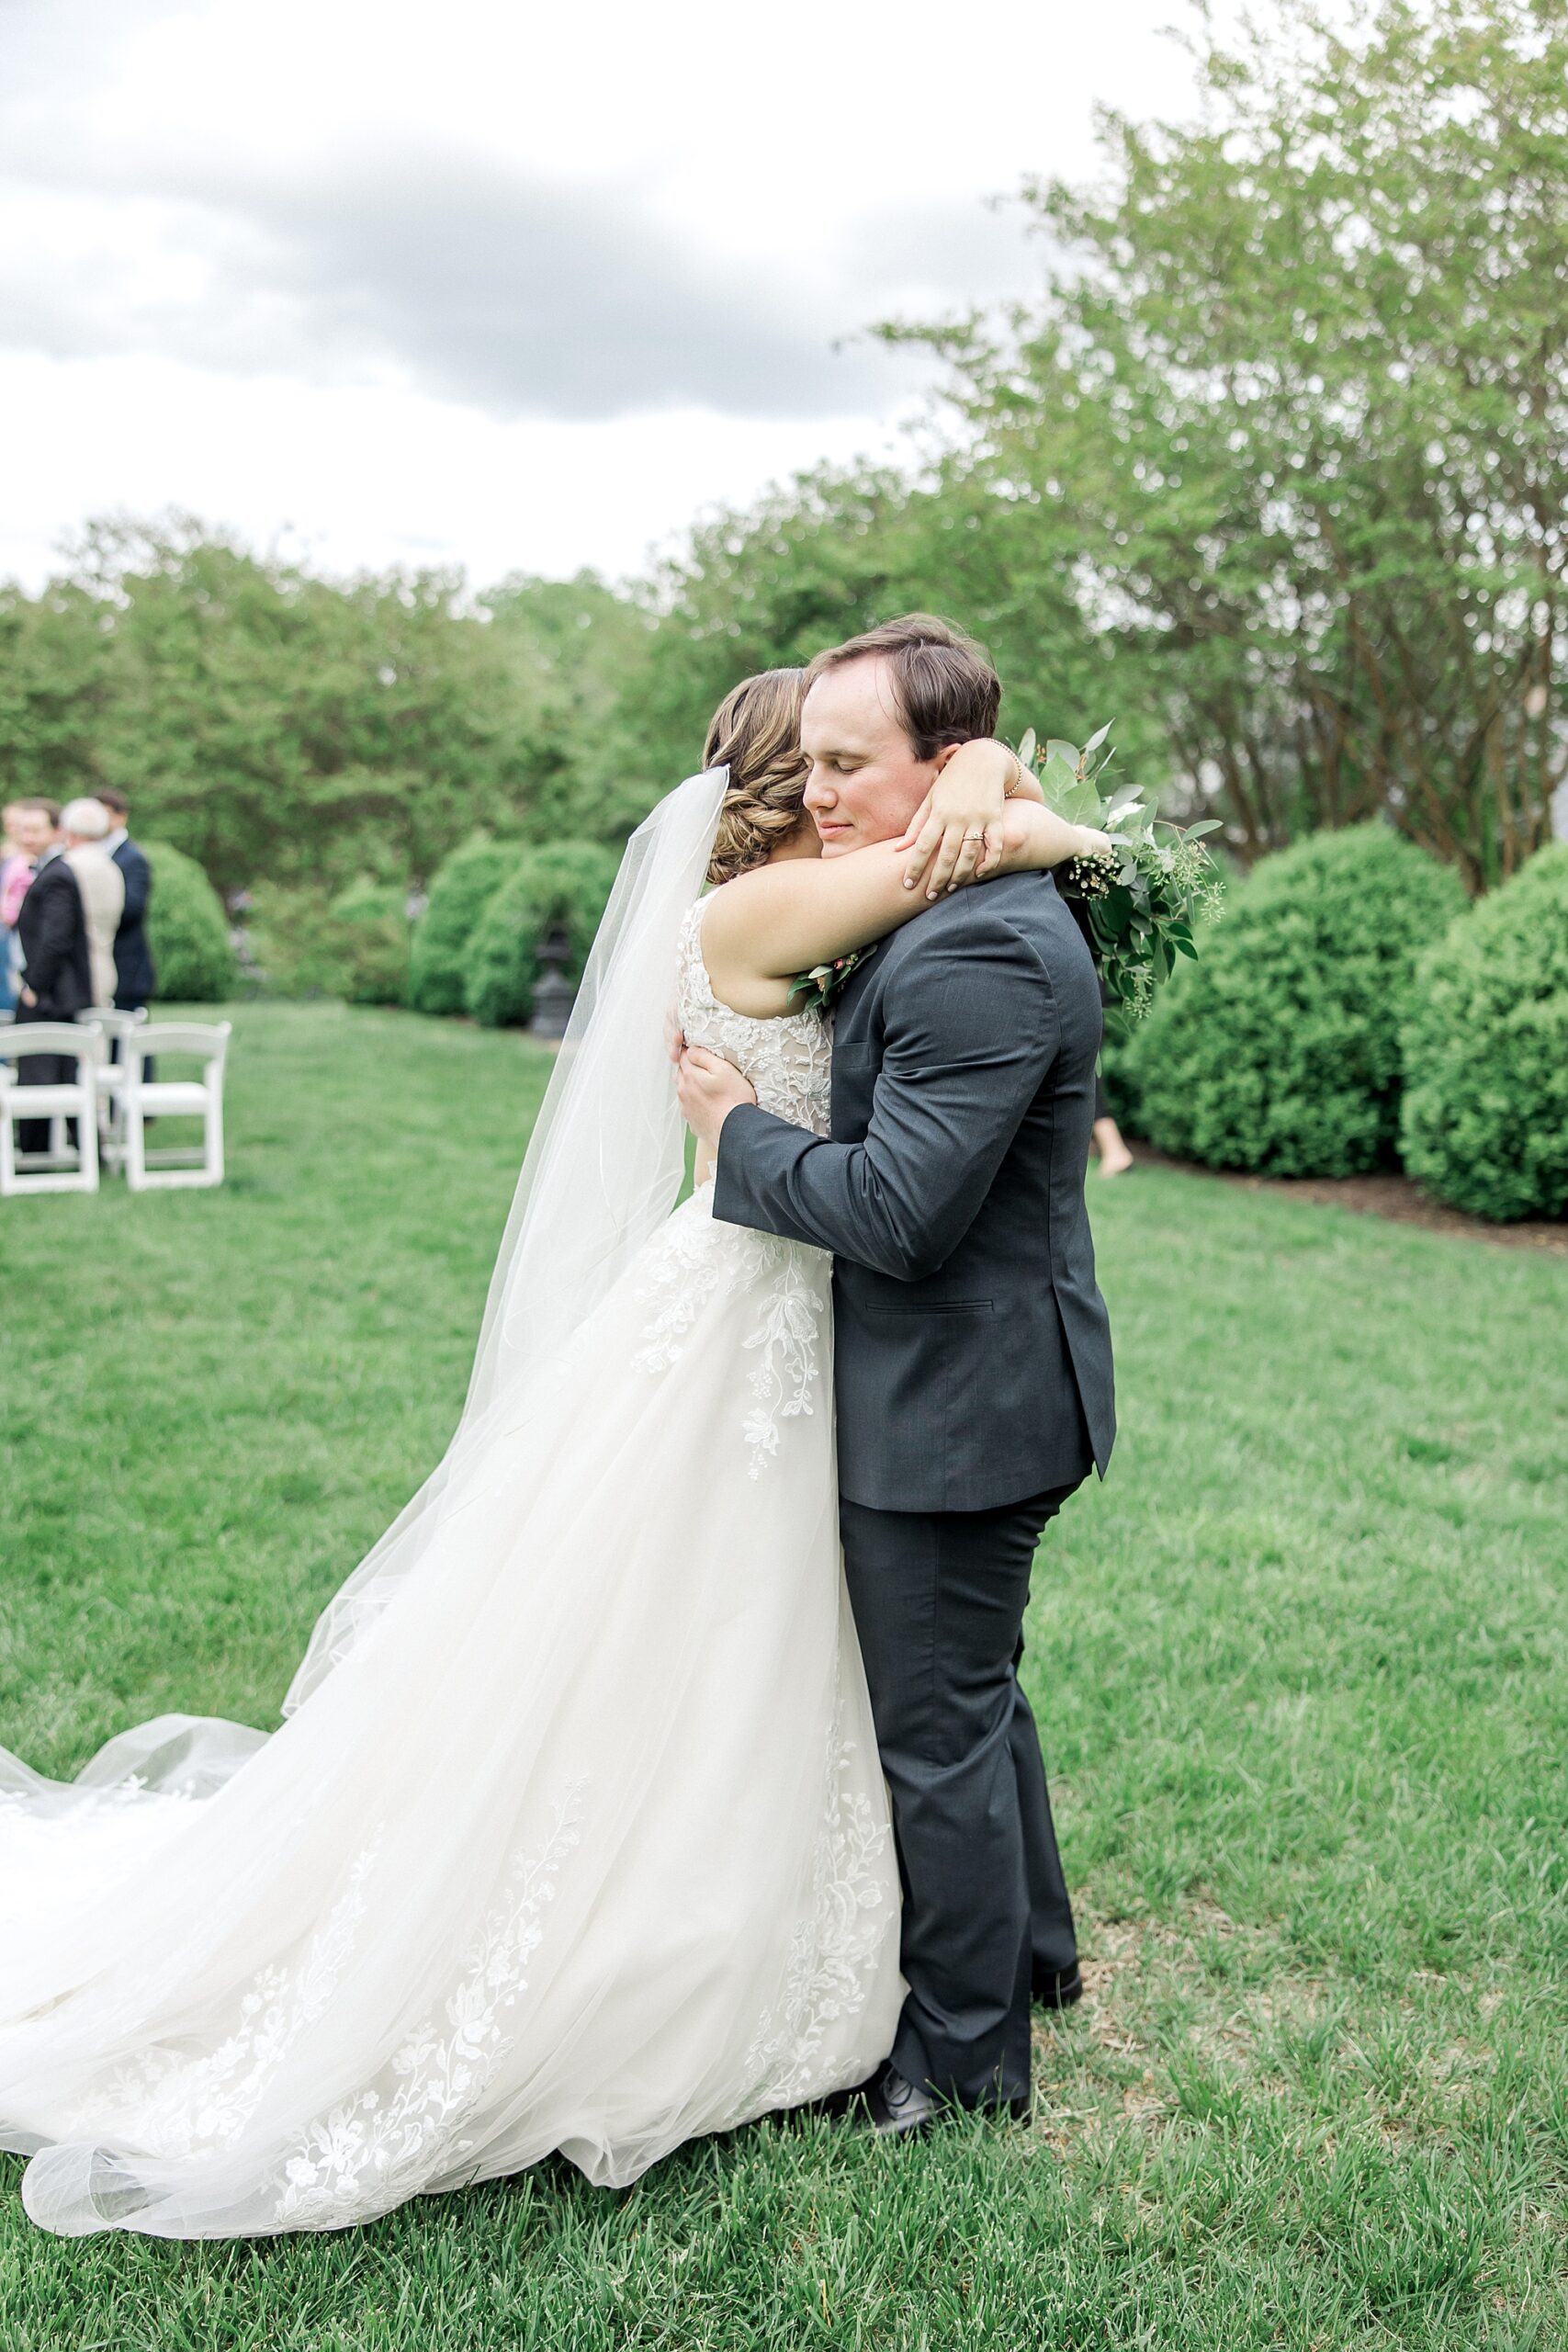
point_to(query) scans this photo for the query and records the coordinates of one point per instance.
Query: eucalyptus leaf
(1079, 804)
(1057, 781)
(1138, 915)
(1026, 748)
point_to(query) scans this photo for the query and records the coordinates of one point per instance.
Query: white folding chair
(75, 1099)
(173, 1098)
(113, 1029)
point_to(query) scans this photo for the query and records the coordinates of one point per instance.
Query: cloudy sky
(514, 286)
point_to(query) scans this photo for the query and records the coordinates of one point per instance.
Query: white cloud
(369, 476)
(541, 281)
(515, 293)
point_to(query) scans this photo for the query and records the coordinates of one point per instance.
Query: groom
(972, 1355)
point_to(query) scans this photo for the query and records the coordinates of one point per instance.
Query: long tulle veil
(602, 1167)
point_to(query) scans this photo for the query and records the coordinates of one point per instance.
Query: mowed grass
(1300, 1673)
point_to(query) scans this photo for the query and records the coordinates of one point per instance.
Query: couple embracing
(665, 1764)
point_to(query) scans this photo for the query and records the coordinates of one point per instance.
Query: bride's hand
(955, 836)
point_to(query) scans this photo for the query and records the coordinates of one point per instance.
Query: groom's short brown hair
(944, 689)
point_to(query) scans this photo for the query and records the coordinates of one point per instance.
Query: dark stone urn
(554, 995)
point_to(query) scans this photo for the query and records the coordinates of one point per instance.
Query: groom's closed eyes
(865, 782)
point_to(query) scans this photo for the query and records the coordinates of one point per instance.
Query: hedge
(187, 931)
(1279, 1051)
(1485, 1046)
(354, 946)
(373, 935)
(462, 889)
(567, 883)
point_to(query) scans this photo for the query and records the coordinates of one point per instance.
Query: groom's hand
(709, 1090)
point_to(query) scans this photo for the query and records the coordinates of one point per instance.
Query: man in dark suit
(135, 979)
(56, 974)
(972, 1351)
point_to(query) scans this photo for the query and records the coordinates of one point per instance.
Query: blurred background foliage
(1273, 470)
(1275, 466)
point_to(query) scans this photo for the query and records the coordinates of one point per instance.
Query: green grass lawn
(1300, 1670)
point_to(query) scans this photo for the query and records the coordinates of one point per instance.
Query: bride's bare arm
(765, 926)
(955, 836)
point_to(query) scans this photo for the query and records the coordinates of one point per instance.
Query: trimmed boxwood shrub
(354, 946)
(1279, 1051)
(372, 935)
(1485, 1047)
(288, 939)
(187, 931)
(567, 883)
(463, 888)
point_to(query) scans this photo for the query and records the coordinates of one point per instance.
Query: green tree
(288, 730)
(283, 728)
(837, 551)
(1293, 412)
(576, 653)
(54, 682)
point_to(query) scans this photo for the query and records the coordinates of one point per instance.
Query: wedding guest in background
(85, 827)
(135, 979)
(16, 873)
(1110, 1146)
(1109, 1141)
(57, 973)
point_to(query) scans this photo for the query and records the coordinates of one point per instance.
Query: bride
(574, 1836)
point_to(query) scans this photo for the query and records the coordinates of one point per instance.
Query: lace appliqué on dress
(697, 1261)
(836, 1948)
(381, 2146)
(789, 1061)
(19, 1807)
(169, 2104)
(785, 1372)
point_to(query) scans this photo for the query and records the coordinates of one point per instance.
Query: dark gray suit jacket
(134, 976)
(972, 1350)
(53, 932)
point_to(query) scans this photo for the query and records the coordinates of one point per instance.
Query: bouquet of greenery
(1138, 904)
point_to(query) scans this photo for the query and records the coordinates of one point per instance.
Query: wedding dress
(576, 1839)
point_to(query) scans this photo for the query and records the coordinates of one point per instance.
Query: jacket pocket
(928, 1307)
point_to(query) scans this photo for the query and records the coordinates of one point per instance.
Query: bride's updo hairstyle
(755, 732)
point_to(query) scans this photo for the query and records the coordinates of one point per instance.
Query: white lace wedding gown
(584, 1846)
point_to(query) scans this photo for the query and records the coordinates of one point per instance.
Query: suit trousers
(41, 1070)
(939, 1601)
(129, 1000)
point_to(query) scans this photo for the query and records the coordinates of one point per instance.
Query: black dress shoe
(894, 2108)
(1056, 1988)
